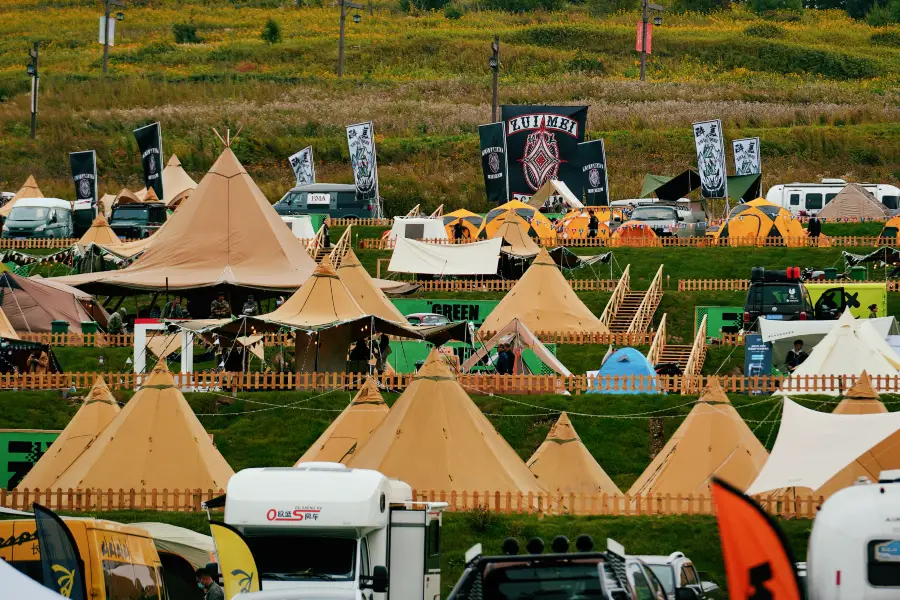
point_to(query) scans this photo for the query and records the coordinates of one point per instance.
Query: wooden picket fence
(474, 383)
(738, 285)
(39, 243)
(384, 222)
(638, 338)
(122, 340)
(504, 285)
(542, 503)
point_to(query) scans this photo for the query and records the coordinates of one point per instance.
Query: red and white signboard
(639, 44)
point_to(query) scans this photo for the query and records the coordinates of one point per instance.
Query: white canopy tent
(812, 446)
(554, 187)
(782, 334)
(196, 548)
(477, 258)
(418, 228)
(301, 226)
(849, 348)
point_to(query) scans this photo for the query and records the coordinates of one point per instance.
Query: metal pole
(106, 36)
(341, 41)
(644, 20)
(34, 93)
(494, 94)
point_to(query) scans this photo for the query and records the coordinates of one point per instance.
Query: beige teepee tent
(29, 190)
(351, 428)
(563, 465)
(100, 233)
(435, 438)
(321, 301)
(156, 441)
(544, 301)
(854, 201)
(516, 233)
(363, 289)
(6, 329)
(177, 184)
(712, 440)
(96, 412)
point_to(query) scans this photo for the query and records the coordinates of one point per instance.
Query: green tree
(271, 32)
(762, 7)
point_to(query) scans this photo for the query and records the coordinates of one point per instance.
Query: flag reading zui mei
(711, 159)
(493, 162)
(149, 141)
(747, 160)
(594, 178)
(361, 143)
(84, 174)
(302, 164)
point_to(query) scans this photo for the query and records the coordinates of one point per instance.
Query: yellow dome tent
(351, 428)
(543, 228)
(891, 228)
(471, 221)
(751, 223)
(574, 225)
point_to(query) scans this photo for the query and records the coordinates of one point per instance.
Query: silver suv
(676, 572)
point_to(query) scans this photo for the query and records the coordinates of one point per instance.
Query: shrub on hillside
(185, 33)
(602, 8)
(770, 7)
(590, 65)
(422, 5)
(768, 31)
(700, 6)
(453, 12)
(886, 38)
(522, 6)
(271, 32)
(884, 14)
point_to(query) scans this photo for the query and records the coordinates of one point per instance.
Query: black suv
(776, 295)
(137, 221)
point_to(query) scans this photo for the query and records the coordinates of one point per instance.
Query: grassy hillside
(822, 96)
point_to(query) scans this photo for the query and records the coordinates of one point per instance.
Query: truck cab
(325, 528)
(137, 221)
(39, 218)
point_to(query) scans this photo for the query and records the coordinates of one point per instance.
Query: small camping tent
(418, 228)
(627, 371)
(177, 184)
(542, 226)
(755, 221)
(33, 304)
(853, 202)
(575, 224)
(516, 234)
(551, 188)
(635, 235)
(471, 221)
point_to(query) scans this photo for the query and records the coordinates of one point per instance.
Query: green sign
(20, 449)
(455, 310)
(719, 319)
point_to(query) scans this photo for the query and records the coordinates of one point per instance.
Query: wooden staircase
(689, 359)
(676, 353)
(626, 311)
(336, 251)
(631, 311)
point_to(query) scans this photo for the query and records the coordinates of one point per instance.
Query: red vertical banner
(640, 41)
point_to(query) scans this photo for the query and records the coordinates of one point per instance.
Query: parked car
(39, 218)
(776, 295)
(338, 200)
(676, 572)
(669, 220)
(427, 319)
(137, 221)
(644, 581)
(812, 197)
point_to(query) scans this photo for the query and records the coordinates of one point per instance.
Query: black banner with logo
(594, 178)
(149, 141)
(493, 162)
(62, 567)
(542, 144)
(84, 174)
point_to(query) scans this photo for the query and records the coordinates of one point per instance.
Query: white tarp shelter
(196, 548)
(553, 187)
(812, 446)
(301, 226)
(849, 348)
(418, 228)
(477, 258)
(782, 334)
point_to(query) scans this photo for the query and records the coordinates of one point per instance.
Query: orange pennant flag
(758, 560)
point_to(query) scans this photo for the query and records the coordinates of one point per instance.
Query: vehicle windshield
(666, 577)
(131, 212)
(291, 198)
(653, 213)
(29, 213)
(562, 582)
(293, 558)
(782, 294)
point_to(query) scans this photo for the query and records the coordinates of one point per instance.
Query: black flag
(542, 144)
(149, 141)
(84, 173)
(493, 162)
(594, 178)
(62, 566)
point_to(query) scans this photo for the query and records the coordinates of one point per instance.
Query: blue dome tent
(625, 363)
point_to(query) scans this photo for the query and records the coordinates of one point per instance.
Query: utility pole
(494, 63)
(646, 7)
(33, 71)
(344, 4)
(108, 4)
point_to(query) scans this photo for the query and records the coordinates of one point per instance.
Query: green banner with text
(455, 310)
(20, 449)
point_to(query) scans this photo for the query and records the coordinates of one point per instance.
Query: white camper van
(854, 548)
(325, 530)
(812, 197)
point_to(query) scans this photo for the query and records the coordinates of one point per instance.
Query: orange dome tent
(634, 234)
(494, 219)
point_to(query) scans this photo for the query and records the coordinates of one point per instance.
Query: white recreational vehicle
(854, 548)
(324, 530)
(812, 197)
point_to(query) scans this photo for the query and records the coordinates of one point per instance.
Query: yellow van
(120, 561)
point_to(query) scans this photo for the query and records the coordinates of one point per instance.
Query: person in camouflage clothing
(220, 308)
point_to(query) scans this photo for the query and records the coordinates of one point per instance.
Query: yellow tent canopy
(156, 441)
(435, 438)
(752, 222)
(29, 190)
(363, 289)
(471, 221)
(543, 228)
(891, 228)
(574, 225)
(562, 464)
(712, 440)
(351, 428)
(544, 301)
(96, 412)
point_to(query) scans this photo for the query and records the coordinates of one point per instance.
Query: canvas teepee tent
(854, 201)
(100, 233)
(562, 464)
(6, 329)
(177, 184)
(96, 412)
(712, 440)
(29, 190)
(435, 438)
(363, 289)
(544, 301)
(323, 300)
(351, 428)
(156, 441)
(516, 233)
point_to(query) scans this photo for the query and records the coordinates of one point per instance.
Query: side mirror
(686, 593)
(378, 582)
(708, 587)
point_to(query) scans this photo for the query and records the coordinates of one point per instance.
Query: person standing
(873, 311)
(504, 364)
(116, 323)
(220, 308)
(206, 582)
(796, 356)
(593, 224)
(458, 231)
(326, 234)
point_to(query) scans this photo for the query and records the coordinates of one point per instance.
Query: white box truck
(322, 530)
(854, 548)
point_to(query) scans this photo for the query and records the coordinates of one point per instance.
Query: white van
(39, 218)
(854, 548)
(812, 197)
